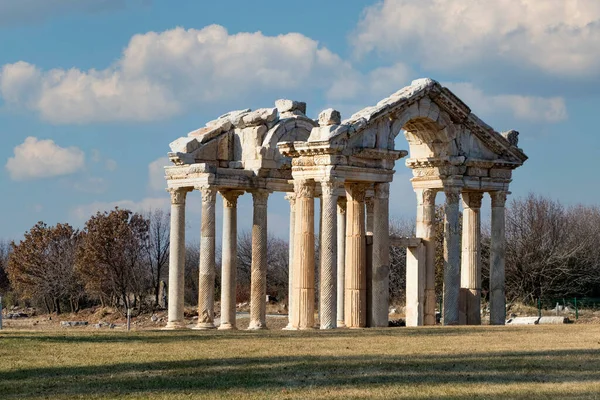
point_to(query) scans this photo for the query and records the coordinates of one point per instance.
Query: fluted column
(356, 257)
(229, 259)
(206, 280)
(470, 275)
(370, 210)
(328, 249)
(497, 259)
(258, 278)
(341, 259)
(380, 276)
(451, 257)
(421, 301)
(292, 199)
(304, 256)
(177, 260)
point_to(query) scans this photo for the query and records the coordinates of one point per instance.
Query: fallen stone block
(523, 321)
(73, 323)
(553, 320)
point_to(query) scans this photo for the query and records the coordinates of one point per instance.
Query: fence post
(576, 310)
(539, 308)
(0, 313)
(128, 319)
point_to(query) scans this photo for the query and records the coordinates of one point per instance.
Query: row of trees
(120, 258)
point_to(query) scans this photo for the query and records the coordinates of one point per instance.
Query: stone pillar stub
(175, 319)
(380, 275)
(356, 257)
(497, 260)
(451, 257)
(206, 280)
(470, 276)
(258, 274)
(341, 259)
(328, 255)
(303, 315)
(291, 197)
(425, 229)
(229, 259)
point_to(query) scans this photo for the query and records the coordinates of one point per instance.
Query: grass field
(439, 362)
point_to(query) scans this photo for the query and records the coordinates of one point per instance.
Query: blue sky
(92, 92)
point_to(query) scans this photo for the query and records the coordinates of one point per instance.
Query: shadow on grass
(298, 372)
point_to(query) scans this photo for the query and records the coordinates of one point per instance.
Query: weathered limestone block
(329, 117)
(284, 105)
(184, 145)
(321, 133)
(260, 116)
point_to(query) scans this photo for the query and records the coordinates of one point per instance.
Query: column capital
(382, 190)
(472, 199)
(356, 190)
(260, 197)
(341, 205)
(328, 186)
(498, 198)
(209, 193)
(178, 195)
(426, 196)
(230, 197)
(452, 195)
(304, 188)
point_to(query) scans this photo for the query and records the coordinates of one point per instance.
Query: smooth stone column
(206, 280)
(355, 312)
(470, 274)
(177, 260)
(451, 257)
(229, 259)
(292, 199)
(380, 276)
(497, 260)
(258, 275)
(425, 229)
(341, 259)
(370, 209)
(328, 251)
(304, 256)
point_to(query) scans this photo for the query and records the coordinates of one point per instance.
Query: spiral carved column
(206, 280)
(328, 251)
(258, 274)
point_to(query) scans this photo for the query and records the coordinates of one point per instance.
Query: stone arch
(286, 130)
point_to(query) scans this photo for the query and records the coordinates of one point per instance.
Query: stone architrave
(304, 256)
(451, 257)
(328, 255)
(497, 260)
(291, 197)
(355, 312)
(470, 275)
(206, 280)
(341, 259)
(380, 275)
(258, 279)
(177, 260)
(229, 259)
(425, 300)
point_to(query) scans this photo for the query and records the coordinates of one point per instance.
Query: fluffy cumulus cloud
(36, 158)
(559, 37)
(527, 108)
(162, 74)
(14, 12)
(156, 174)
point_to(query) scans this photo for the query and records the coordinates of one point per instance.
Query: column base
(226, 327)
(175, 325)
(289, 327)
(257, 326)
(341, 324)
(327, 328)
(204, 326)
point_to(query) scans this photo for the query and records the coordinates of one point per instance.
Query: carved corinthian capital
(304, 188)
(426, 196)
(472, 199)
(328, 188)
(498, 199)
(382, 190)
(260, 197)
(291, 197)
(452, 196)
(341, 205)
(209, 193)
(178, 195)
(230, 197)
(357, 191)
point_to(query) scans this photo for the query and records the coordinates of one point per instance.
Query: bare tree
(399, 227)
(158, 247)
(5, 250)
(192, 259)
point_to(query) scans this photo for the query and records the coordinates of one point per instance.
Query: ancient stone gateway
(348, 165)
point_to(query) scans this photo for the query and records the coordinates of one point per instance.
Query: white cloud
(162, 74)
(557, 36)
(156, 174)
(83, 212)
(13, 12)
(110, 164)
(36, 158)
(527, 108)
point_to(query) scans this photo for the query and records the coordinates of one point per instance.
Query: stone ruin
(349, 165)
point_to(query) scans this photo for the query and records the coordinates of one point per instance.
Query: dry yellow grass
(439, 362)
